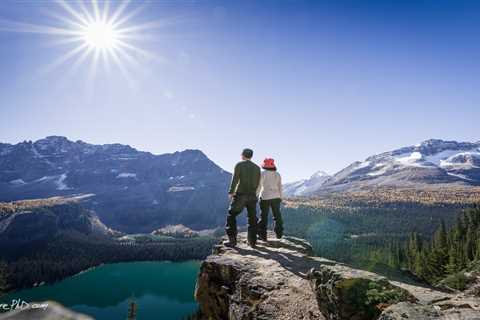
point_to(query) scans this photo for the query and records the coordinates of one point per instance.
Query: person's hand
(230, 195)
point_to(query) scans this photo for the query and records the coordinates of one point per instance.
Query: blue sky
(314, 84)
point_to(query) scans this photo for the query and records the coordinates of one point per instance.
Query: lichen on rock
(345, 293)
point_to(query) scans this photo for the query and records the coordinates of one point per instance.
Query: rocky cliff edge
(280, 279)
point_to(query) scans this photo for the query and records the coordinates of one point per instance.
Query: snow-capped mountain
(306, 186)
(134, 190)
(430, 163)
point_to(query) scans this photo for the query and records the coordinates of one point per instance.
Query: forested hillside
(370, 230)
(69, 254)
(448, 253)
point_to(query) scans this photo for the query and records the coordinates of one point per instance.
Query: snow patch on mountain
(180, 189)
(412, 159)
(57, 180)
(378, 172)
(45, 178)
(60, 182)
(438, 158)
(126, 175)
(18, 182)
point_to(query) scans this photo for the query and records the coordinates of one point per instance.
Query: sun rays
(94, 33)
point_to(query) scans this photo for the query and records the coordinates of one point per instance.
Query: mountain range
(431, 164)
(134, 191)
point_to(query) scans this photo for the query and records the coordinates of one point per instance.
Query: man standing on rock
(243, 193)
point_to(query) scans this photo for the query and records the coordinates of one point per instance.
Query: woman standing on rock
(270, 193)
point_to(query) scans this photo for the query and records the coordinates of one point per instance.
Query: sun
(100, 35)
(106, 32)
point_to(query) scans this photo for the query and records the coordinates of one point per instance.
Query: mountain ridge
(135, 191)
(431, 163)
(39, 220)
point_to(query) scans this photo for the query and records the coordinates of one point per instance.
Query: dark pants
(239, 202)
(265, 206)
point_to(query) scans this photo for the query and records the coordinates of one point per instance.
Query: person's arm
(280, 186)
(259, 188)
(235, 180)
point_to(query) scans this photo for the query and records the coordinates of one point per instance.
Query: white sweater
(270, 186)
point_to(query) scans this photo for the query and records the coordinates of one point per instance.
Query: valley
(43, 241)
(370, 229)
(73, 206)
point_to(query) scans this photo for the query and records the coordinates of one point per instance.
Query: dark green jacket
(246, 178)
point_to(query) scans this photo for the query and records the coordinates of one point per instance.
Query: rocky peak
(189, 155)
(117, 148)
(282, 280)
(54, 144)
(319, 174)
(306, 186)
(433, 146)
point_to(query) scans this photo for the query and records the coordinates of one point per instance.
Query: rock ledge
(281, 280)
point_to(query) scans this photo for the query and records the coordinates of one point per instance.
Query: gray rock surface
(269, 282)
(346, 293)
(281, 280)
(406, 310)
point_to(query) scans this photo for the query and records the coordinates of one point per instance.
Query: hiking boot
(232, 242)
(262, 237)
(279, 234)
(252, 245)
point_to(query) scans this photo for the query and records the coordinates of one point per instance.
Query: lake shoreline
(89, 269)
(156, 286)
(67, 256)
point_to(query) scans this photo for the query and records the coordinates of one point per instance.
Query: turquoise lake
(162, 290)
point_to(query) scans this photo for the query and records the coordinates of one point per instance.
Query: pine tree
(413, 250)
(441, 236)
(448, 252)
(439, 252)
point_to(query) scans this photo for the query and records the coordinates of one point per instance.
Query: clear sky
(316, 85)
